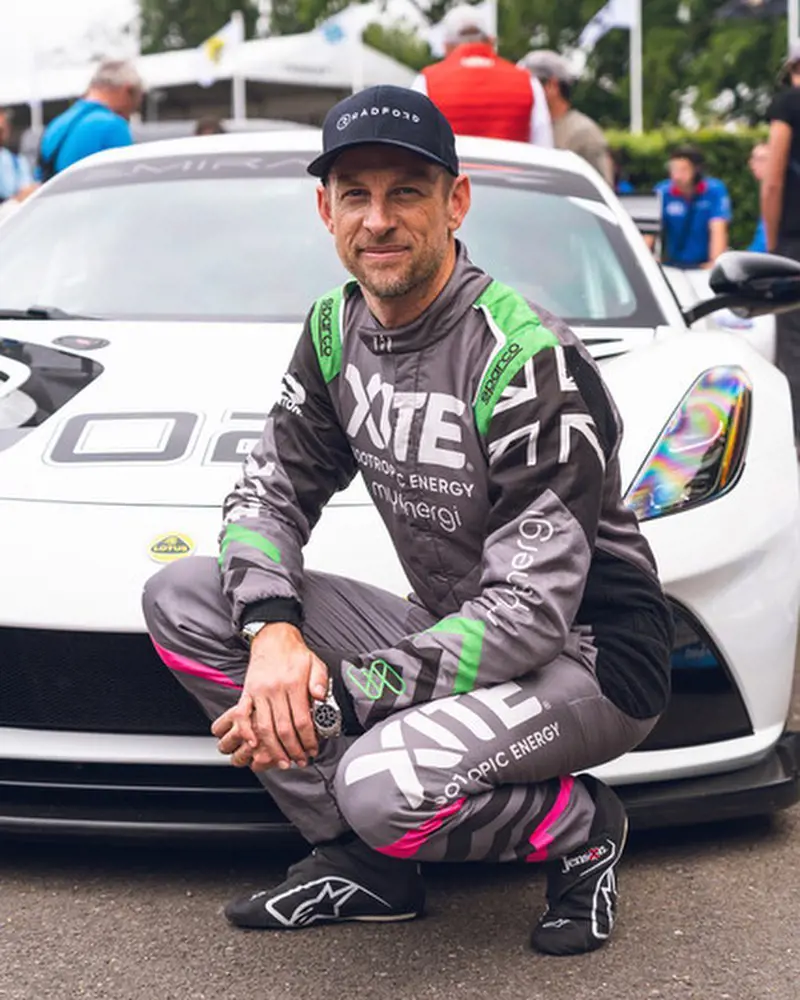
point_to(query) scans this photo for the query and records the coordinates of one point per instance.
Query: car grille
(115, 682)
(705, 705)
(91, 682)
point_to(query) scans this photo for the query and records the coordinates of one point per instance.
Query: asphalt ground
(709, 912)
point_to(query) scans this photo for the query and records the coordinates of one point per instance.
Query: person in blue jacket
(99, 120)
(15, 171)
(695, 212)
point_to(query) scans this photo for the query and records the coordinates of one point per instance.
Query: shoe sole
(395, 918)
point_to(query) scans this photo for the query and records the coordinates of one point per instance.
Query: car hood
(139, 413)
(150, 413)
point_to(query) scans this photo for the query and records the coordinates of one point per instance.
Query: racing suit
(536, 641)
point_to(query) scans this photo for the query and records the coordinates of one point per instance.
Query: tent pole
(238, 98)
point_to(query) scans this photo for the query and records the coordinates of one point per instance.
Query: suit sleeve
(548, 441)
(302, 458)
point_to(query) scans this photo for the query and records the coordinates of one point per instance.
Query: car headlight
(700, 453)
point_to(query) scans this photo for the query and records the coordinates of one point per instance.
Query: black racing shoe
(340, 880)
(582, 887)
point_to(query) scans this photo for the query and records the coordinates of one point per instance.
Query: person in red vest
(479, 92)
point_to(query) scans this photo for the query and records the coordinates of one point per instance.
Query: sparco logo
(325, 328)
(496, 372)
(593, 854)
(374, 112)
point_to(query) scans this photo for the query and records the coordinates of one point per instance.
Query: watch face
(326, 717)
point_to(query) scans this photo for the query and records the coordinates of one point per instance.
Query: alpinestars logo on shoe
(324, 899)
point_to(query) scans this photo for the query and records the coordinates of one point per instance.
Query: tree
(180, 24)
(691, 47)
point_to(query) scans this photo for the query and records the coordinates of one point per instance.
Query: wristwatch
(249, 631)
(326, 715)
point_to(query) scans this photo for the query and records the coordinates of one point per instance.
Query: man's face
(552, 91)
(125, 100)
(758, 161)
(5, 129)
(392, 215)
(682, 172)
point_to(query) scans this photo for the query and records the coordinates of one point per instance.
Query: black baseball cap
(387, 116)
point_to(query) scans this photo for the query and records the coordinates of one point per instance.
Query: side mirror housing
(750, 284)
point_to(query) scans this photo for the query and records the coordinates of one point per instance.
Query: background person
(780, 208)
(759, 157)
(16, 176)
(99, 120)
(695, 212)
(622, 183)
(480, 93)
(572, 129)
(209, 126)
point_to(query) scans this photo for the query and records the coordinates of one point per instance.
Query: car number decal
(150, 437)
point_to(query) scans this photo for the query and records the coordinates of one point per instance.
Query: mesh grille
(91, 681)
(705, 705)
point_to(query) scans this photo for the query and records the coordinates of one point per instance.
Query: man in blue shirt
(695, 212)
(99, 120)
(15, 171)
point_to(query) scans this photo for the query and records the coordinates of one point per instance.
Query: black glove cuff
(274, 609)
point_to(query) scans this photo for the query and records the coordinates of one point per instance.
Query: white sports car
(150, 299)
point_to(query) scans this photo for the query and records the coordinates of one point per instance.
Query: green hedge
(643, 159)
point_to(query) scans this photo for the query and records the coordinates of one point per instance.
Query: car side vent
(705, 705)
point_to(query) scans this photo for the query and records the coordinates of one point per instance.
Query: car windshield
(237, 237)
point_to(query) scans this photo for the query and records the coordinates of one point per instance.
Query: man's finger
(268, 750)
(221, 725)
(231, 741)
(242, 756)
(303, 723)
(286, 732)
(318, 679)
(243, 717)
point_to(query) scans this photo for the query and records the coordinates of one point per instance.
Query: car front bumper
(765, 787)
(131, 801)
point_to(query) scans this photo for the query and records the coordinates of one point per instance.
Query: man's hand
(271, 723)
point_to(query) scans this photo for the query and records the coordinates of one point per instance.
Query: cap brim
(321, 166)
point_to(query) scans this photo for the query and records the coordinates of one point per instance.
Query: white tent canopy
(310, 60)
(306, 60)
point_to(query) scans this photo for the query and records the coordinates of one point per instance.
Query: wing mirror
(750, 284)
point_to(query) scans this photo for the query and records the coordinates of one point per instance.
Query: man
(209, 126)
(759, 157)
(15, 172)
(97, 121)
(695, 212)
(780, 208)
(536, 643)
(572, 129)
(478, 92)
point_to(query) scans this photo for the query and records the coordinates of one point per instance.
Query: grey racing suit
(536, 641)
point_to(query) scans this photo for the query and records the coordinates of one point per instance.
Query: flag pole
(357, 67)
(793, 18)
(637, 104)
(238, 82)
(492, 6)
